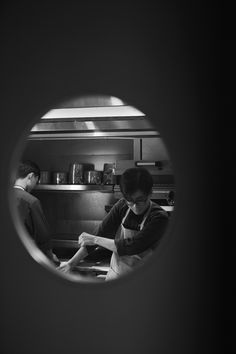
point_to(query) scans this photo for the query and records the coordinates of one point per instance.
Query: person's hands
(86, 239)
(55, 260)
(64, 267)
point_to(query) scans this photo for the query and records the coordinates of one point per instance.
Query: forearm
(78, 256)
(146, 239)
(106, 243)
(86, 239)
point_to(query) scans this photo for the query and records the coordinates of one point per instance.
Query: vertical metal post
(141, 149)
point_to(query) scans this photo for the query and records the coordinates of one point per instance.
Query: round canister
(92, 177)
(76, 172)
(59, 177)
(45, 177)
(109, 173)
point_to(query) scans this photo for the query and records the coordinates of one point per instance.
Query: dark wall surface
(163, 58)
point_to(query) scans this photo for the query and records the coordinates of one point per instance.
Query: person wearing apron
(131, 230)
(120, 265)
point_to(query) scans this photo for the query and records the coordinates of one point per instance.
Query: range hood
(94, 113)
(94, 116)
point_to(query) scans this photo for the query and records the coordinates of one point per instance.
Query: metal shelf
(74, 187)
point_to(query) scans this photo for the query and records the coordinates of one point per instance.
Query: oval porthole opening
(79, 170)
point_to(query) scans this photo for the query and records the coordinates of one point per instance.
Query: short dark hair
(26, 167)
(134, 179)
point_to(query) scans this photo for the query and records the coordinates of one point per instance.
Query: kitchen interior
(82, 147)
